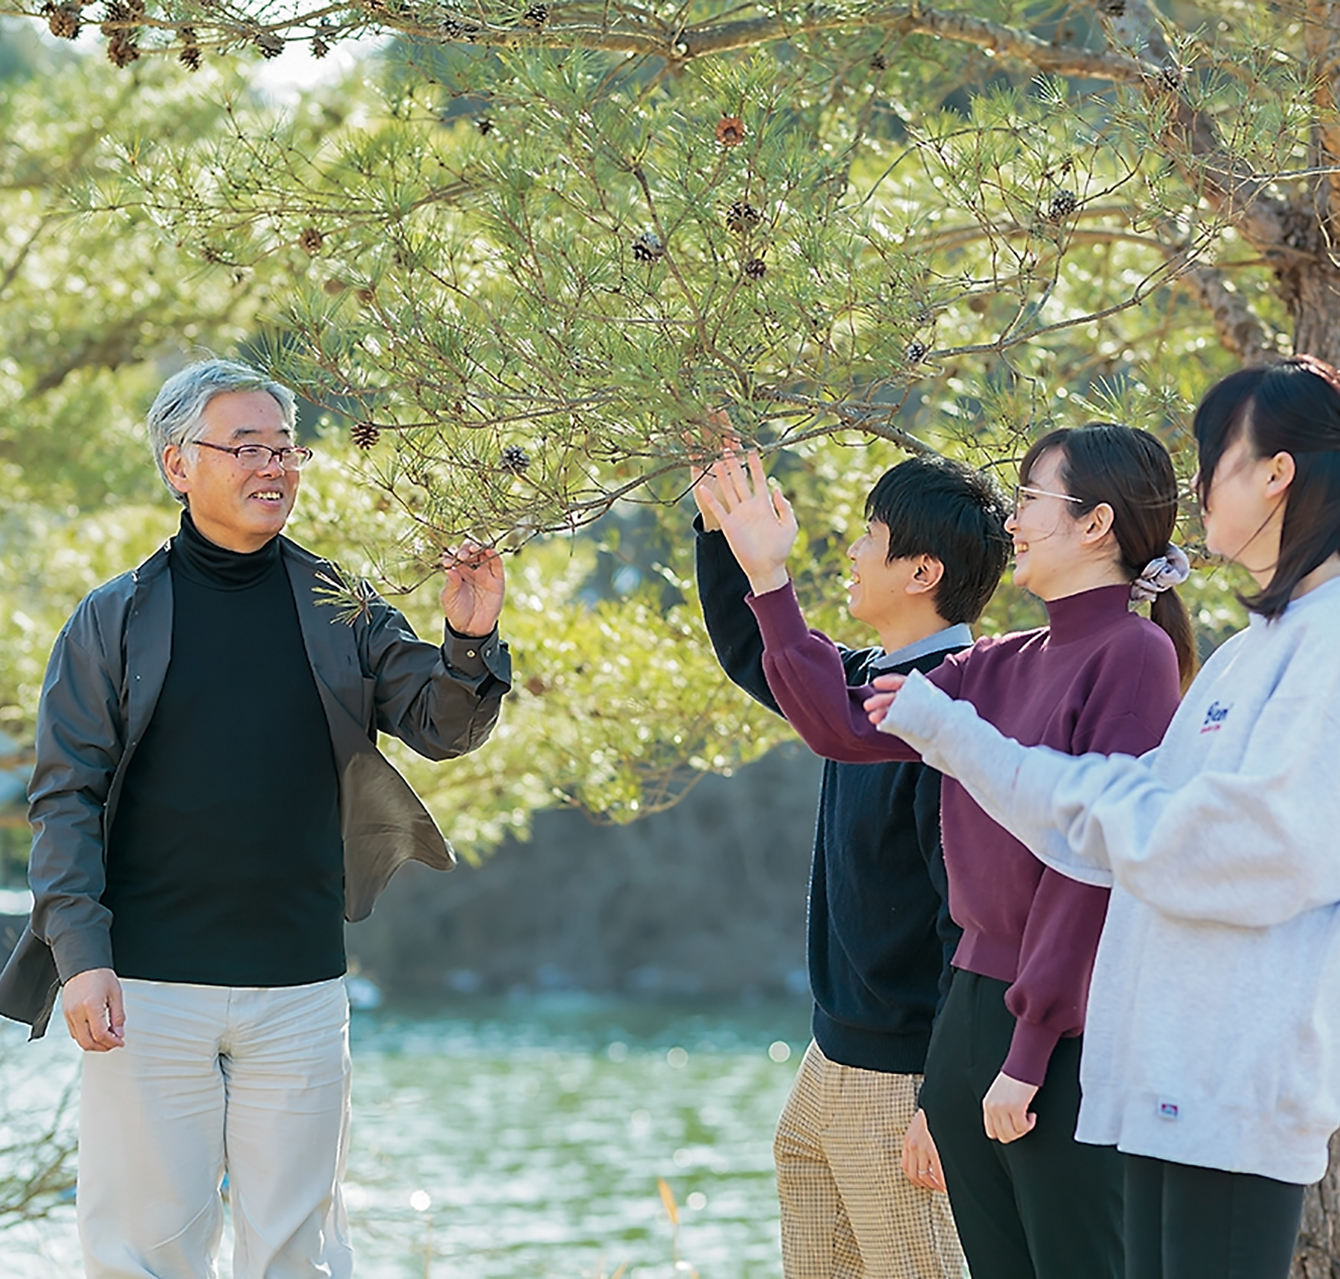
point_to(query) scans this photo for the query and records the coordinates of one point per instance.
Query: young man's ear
(926, 575)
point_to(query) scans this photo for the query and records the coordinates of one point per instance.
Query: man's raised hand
(699, 468)
(757, 520)
(472, 596)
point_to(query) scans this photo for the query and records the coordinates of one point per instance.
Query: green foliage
(524, 256)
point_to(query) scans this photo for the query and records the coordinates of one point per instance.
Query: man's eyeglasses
(256, 457)
(1026, 493)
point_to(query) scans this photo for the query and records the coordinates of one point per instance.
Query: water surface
(525, 1139)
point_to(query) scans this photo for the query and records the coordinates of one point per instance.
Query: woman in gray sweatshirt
(1212, 1047)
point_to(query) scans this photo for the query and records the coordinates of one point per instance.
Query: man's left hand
(472, 597)
(1005, 1109)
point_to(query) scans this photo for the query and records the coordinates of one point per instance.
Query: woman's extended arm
(1250, 847)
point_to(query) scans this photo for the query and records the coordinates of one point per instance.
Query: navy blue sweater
(880, 936)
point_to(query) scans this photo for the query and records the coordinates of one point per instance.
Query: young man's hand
(94, 1013)
(757, 520)
(921, 1160)
(699, 466)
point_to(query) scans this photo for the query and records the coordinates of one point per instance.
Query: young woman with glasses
(1092, 527)
(1213, 1050)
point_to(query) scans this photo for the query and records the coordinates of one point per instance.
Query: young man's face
(231, 505)
(878, 590)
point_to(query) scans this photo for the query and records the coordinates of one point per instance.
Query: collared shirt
(952, 637)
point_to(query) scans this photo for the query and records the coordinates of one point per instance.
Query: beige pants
(249, 1081)
(848, 1212)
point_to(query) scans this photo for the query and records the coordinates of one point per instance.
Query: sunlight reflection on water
(524, 1139)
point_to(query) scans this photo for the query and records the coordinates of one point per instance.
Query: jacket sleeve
(440, 701)
(80, 740)
(722, 587)
(807, 677)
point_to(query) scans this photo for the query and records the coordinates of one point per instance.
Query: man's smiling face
(232, 506)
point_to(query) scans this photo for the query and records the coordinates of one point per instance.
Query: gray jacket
(102, 683)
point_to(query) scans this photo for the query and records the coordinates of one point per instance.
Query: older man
(208, 806)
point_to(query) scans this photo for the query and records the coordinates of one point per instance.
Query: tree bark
(1318, 1255)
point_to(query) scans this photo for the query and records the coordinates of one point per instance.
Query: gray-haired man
(208, 806)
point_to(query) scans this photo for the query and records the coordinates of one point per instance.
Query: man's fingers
(708, 503)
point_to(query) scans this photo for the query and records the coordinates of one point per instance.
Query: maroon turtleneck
(1099, 678)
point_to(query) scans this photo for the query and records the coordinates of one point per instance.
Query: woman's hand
(1005, 1109)
(921, 1160)
(757, 520)
(877, 705)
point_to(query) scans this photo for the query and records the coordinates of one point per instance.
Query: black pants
(1200, 1223)
(1041, 1207)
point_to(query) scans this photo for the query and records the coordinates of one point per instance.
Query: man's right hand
(94, 1013)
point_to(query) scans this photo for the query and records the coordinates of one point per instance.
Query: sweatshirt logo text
(1214, 718)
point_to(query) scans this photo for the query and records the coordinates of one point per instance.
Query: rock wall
(704, 900)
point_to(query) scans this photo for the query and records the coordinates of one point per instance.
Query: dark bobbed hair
(1131, 471)
(1292, 407)
(942, 508)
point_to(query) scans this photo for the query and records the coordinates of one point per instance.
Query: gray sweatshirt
(1213, 1034)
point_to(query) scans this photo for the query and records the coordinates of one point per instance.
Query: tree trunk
(1318, 1255)
(1310, 286)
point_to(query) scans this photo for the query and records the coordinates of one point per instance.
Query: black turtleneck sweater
(225, 863)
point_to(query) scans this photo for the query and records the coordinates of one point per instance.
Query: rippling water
(521, 1140)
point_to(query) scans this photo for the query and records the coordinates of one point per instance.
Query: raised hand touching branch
(700, 450)
(757, 520)
(472, 594)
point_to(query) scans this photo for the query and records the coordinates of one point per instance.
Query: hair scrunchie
(1172, 568)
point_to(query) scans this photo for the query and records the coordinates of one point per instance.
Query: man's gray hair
(175, 417)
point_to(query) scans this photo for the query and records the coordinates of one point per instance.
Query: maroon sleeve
(807, 678)
(1126, 712)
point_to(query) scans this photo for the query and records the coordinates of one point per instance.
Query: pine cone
(877, 63)
(755, 269)
(63, 20)
(916, 352)
(319, 47)
(742, 217)
(122, 49)
(189, 56)
(455, 29)
(730, 131)
(364, 434)
(514, 459)
(536, 16)
(647, 247)
(484, 125)
(311, 240)
(1062, 205)
(1171, 77)
(270, 45)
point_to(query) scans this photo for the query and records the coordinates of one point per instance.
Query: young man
(208, 806)
(857, 1174)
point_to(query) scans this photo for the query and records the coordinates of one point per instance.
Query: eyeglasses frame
(290, 449)
(1036, 492)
